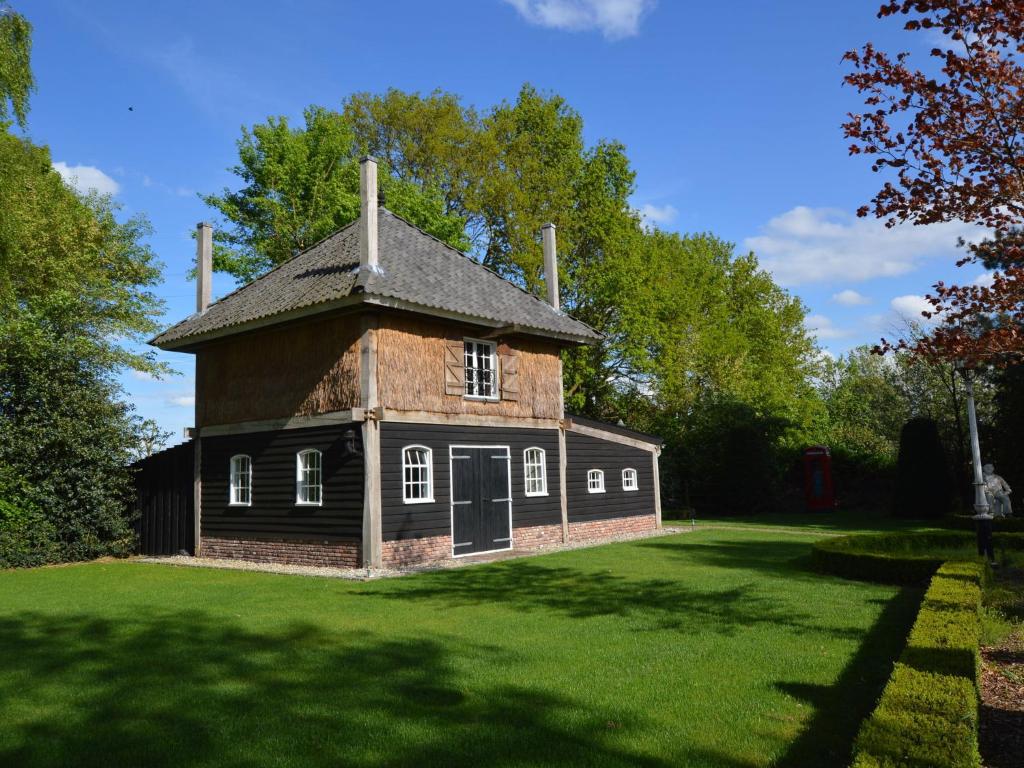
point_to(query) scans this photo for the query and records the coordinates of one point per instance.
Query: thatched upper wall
(411, 370)
(295, 370)
(312, 367)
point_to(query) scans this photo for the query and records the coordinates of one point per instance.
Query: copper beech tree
(953, 135)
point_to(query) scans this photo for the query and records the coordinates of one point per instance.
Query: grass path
(715, 648)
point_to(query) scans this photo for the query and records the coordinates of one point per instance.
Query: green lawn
(714, 648)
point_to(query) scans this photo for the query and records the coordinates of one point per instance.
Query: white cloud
(822, 327)
(143, 376)
(911, 306)
(850, 298)
(181, 400)
(984, 280)
(655, 214)
(806, 245)
(615, 19)
(86, 177)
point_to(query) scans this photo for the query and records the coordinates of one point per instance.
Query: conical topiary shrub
(924, 487)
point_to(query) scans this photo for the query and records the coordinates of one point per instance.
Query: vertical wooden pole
(197, 493)
(657, 489)
(564, 497)
(372, 530)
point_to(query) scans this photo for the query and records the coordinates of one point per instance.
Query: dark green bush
(900, 558)
(928, 713)
(27, 538)
(924, 485)
(1006, 524)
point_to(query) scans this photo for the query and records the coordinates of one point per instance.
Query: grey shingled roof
(418, 272)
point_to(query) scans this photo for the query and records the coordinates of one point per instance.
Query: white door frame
(451, 495)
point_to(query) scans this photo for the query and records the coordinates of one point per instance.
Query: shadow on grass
(790, 559)
(191, 688)
(840, 708)
(650, 604)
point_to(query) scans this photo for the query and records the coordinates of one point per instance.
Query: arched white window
(535, 471)
(595, 481)
(629, 482)
(241, 481)
(309, 477)
(417, 474)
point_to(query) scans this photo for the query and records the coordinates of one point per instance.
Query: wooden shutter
(454, 367)
(509, 376)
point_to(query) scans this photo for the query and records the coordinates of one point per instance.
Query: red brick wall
(416, 551)
(536, 536)
(615, 526)
(334, 554)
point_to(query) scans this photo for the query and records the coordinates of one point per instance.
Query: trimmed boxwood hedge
(928, 713)
(999, 524)
(899, 558)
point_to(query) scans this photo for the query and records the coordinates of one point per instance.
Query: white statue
(998, 492)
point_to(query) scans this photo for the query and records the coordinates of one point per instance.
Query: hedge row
(928, 713)
(999, 524)
(900, 558)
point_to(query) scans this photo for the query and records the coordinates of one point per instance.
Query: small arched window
(595, 481)
(417, 474)
(629, 481)
(241, 481)
(535, 471)
(309, 477)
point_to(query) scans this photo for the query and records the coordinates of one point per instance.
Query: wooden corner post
(372, 530)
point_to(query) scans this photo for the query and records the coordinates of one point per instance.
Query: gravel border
(368, 574)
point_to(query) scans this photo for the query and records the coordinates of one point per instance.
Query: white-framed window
(595, 481)
(309, 487)
(536, 472)
(241, 481)
(481, 369)
(417, 474)
(629, 482)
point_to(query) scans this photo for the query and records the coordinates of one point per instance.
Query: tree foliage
(16, 80)
(75, 288)
(952, 134)
(302, 184)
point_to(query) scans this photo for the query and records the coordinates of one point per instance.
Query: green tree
(75, 291)
(16, 80)
(302, 184)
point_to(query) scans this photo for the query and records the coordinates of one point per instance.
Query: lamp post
(982, 515)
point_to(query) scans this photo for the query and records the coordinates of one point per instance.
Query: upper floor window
(241, 480)
(481, 369)
(595, 481)
(309, 477)
(536, 472)
(629, 482)
(417, 477)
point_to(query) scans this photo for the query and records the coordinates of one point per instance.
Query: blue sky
(730, 113)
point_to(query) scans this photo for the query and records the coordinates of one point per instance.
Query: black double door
(481, 500)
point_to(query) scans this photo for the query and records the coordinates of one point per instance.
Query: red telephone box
(818, 479)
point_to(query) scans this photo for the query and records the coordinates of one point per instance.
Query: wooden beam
(197, 493)
(293, 422)
(657, 490)
(466, 419)
(563, 493)
(612, 437)
(368, 373)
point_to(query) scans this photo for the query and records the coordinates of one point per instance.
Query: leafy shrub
(928, 712)
(900, 558)
(1007, 524)
(924, 486)
(27, 538)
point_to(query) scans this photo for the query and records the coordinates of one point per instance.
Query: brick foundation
(599, 529)
(536, 536)
(333, 554)
(416, 551)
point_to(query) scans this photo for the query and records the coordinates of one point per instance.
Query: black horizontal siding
(584, 453)
(274, 513)
(410, 521)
